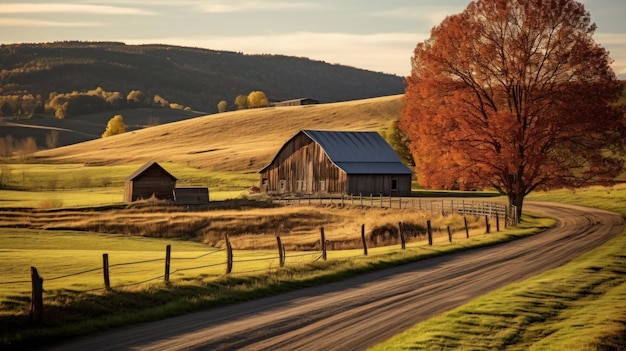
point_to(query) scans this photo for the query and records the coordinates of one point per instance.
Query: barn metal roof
(358, 152)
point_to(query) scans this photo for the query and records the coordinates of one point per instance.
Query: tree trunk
(516, 201)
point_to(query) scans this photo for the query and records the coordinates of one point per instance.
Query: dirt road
(360, 312)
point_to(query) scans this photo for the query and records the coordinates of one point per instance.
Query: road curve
(360, 312)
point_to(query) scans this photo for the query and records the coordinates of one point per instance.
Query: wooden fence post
(466, 227)
(363, 239)
(497, 222)
(229, 255)
(430, 233)
(449, 234)
(323, 242)
(281, 252)
(402, 238)
(105, 271)
(487, 227)
(168, 252)
(36, 302)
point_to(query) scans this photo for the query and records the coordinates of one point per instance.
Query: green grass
(580, 306)
(77, 185)
(72, 311)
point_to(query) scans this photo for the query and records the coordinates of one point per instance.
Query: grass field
(76, 304)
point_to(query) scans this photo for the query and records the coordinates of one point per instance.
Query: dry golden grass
(239, 141)
(247, 227)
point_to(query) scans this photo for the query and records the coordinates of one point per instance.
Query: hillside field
(239, 141)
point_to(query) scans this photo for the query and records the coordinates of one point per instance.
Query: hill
(198, 78)
(238, 141)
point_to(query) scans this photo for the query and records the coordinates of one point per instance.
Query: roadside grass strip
(579, 306)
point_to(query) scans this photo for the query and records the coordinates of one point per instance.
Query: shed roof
(144, 168)
(357, 152)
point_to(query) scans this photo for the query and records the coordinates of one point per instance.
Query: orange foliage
(514, 95)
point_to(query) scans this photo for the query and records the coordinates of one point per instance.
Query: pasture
(76, 301)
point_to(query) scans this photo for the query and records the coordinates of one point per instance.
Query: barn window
(264, 181)
(282, 184)
(394, 185)
(322, 186)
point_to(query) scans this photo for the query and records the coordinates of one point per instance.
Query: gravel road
(360, 312)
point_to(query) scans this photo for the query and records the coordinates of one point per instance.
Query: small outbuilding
(336, 162)
(295, 102)
(191, 196)
(149, 180)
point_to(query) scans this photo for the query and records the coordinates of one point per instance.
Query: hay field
(239, 141)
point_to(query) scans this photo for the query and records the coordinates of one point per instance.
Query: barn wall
(377, 184)
(302, 167)
(128, 191)
(152, 181)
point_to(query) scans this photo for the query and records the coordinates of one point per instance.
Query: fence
(228, 263)
(435, 206)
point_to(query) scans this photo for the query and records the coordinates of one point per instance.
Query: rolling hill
(194, 77)
(238, 141)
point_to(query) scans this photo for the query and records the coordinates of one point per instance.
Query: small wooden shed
(335, 162)
(149, 180)
(191, 196)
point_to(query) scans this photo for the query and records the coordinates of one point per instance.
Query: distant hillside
(193, 77)
(239, 141)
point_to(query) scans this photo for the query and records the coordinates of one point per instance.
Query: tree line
(63, 105)
(255, 99)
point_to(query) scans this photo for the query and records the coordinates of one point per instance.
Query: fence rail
(434, 205)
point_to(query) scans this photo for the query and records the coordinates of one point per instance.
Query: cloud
(65, 8)
(380, 52)
(615, 43)
(254, 6)
(22, 22)
(431, 15)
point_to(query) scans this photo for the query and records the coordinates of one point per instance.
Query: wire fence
(434, 205)
(221, 262)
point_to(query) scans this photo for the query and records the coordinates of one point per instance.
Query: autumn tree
(52, 139)
(399, 142)
(241, 101)
(222, 106)
(514, 95)
(135, 98)
(115, 126)
(257, 99)
(27, 147)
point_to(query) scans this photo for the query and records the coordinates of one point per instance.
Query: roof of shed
(358, 152)
(147, 166)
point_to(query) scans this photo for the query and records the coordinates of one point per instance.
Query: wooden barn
(151, 179)
(329, 162)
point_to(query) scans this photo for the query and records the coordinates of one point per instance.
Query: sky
(377, 35)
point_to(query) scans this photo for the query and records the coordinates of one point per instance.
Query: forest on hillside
(188, 77)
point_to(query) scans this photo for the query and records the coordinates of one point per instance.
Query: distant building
(321, 162)
(149, 180)
(295, 102)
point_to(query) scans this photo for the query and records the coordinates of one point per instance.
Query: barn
(151, 179)
(295, 102)
(335, 162)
